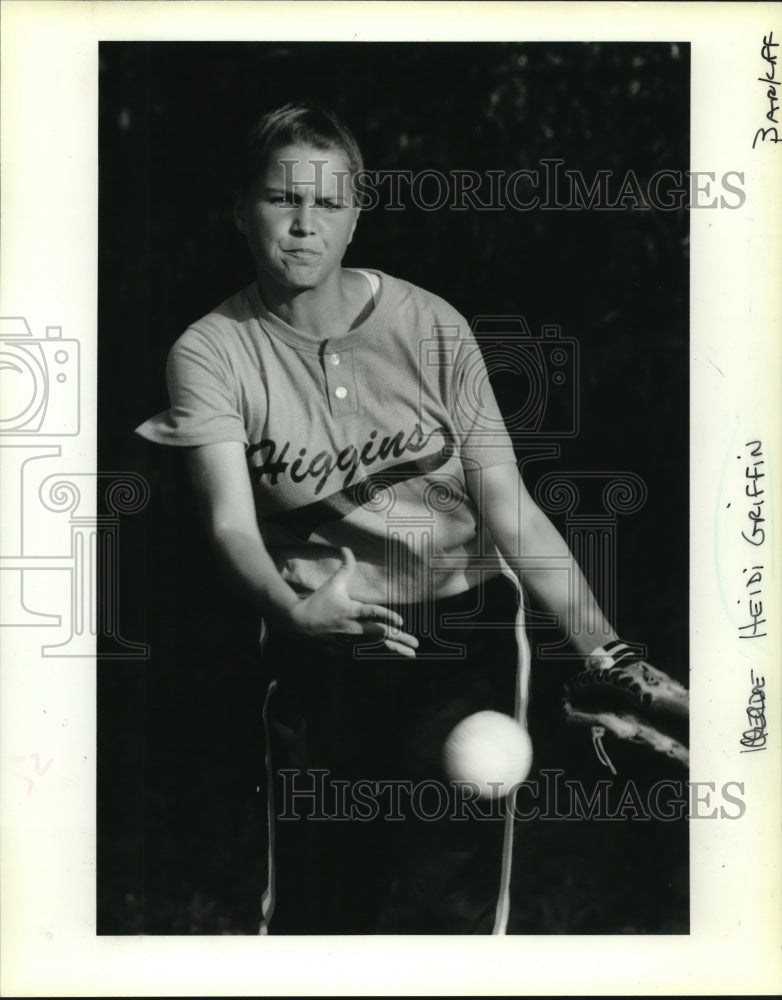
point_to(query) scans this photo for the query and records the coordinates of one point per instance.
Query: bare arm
(519, 528)
(222, 486)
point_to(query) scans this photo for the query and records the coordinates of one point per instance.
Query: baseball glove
(620, 693)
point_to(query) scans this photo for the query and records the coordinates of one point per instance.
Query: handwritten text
(770, 79)
(753, 473)
(754, 533)
(754, 738)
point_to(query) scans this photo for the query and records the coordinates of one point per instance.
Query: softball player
(361, 490)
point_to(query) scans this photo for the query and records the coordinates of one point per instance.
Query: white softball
(490, 750)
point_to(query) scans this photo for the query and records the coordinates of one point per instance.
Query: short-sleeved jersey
(360, 440)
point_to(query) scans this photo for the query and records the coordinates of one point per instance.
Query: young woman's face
(298, 217)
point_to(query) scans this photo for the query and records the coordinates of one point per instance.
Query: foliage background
(180, 787)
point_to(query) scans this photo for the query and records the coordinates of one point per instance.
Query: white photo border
(49, 275)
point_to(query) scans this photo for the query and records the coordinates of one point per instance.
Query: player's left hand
(620, 693)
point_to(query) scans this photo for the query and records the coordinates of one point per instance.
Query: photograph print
(396, 336)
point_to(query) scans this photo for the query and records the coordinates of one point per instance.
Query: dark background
(181, 845)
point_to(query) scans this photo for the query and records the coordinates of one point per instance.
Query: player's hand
(330, 613)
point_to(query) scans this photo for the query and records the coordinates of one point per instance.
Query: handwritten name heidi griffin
(754, 533)
(754, 738)
(770, 134)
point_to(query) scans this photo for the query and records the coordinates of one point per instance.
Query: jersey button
(340, 392)
(334, 359)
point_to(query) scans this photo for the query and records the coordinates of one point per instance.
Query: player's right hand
(329, 613)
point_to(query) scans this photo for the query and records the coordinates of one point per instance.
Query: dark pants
(368, 835)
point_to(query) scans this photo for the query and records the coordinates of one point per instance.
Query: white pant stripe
(268, 897)
(523, 670)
